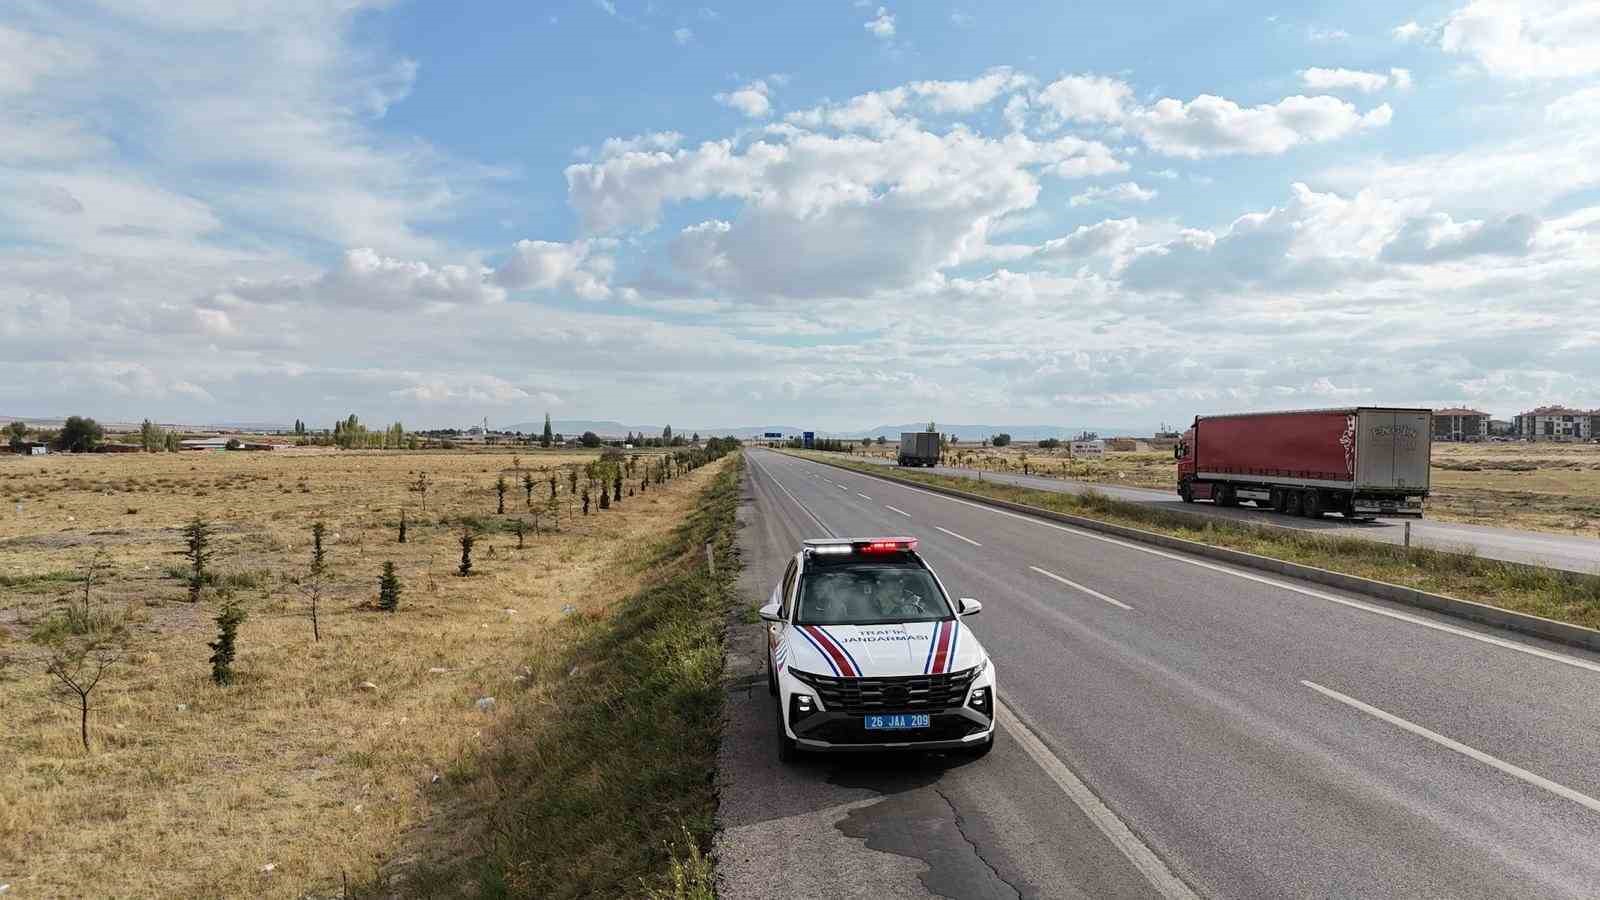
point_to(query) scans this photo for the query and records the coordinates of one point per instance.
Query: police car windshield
(860, 593)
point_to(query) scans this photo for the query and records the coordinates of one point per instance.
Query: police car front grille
(908, 693)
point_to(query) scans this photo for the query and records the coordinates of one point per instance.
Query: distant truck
(919, 448)
(1362, 461)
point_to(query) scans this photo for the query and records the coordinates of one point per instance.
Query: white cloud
(1438, 237)
(1349, 79)
(1102, 238)
(1401, 79)
(1580, 108)
(1408, 32)
(683, 35)
(655, 140)
(366, 279)
(1323, 34)
(882, 25)
(1126, 192)
(27, 58)
(1209, 125)
(971, 95)
(1216, 126)
(580, 266)
(606, 6)
(1526, 39)
(1016, 112)
(1085, 98)
(752, 99)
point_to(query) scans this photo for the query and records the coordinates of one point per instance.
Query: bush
(467, 540)
(388, 589)
(228, 621)
(79, 435)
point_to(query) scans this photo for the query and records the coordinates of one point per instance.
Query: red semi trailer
(1360, 461)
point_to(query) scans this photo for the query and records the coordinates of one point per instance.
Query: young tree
(388, 589)
(546, 437)
(605, 497)
(467, 540)
(17, 431)
(519, 533)
(616, 486)
(589, 439)
(552, 485)
(172, 442)
(572, 481)
(77, 673)
(79, 435)
(402, 525)
(197, 541)
(586, 501)
(527, 487)
(421, 487)
(222, 649)
(500, 495)
(150, 437)
(319, 570)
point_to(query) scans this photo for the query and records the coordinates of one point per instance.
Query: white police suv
(866, 651)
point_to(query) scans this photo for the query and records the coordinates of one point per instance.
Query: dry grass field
(324, 758)
(1538, 487)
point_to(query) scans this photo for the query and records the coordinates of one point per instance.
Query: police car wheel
(787, 751)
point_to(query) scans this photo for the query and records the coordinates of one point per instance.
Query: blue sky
(830, 213)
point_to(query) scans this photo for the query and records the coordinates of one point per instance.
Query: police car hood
(912, 648)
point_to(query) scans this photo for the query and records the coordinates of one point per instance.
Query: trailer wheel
(1186, 492)
(1291, 502)
(1280, 500)
(1225, 496)
(1311, 504)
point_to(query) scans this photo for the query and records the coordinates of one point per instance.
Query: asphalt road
(1250, 736)
(1571, 552)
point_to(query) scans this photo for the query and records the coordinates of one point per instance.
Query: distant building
(1558, 423)
(1502, 427)
(1460, 424)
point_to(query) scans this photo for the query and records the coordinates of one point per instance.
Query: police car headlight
(981, 700)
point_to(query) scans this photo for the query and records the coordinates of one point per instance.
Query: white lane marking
(1121, 836)
(841, 487)
(825, 529)
(1272, 582)
(1078, 587)
(959, 537)
(900, 511)
(1559, 790)
(862, 496)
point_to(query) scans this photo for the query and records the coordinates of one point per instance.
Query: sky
(831, 214)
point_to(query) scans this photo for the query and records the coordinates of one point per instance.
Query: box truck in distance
(1362, 461)
(919, 448)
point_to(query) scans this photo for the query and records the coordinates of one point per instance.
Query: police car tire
(787, 750)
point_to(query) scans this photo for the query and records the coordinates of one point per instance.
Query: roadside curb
(1482, 613)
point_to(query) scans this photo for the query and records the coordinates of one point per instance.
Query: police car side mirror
(770, 613)
(970, 607)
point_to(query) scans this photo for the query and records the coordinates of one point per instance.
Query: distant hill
(610, 428)
(1017, 432)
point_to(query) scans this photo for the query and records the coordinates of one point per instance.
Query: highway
(1571, 552)
(1170, 727)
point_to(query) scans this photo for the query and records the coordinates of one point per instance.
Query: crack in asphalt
(977, 851)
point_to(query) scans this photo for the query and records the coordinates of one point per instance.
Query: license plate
(895, 723)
